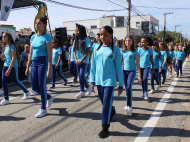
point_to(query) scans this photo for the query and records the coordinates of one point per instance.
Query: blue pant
(14, 76)
(155, 77)
(88, 69)
(39, 70)
(163, 73)
(105, 95)
(73, 69)
(58, 72)
(174, 66)
(144, 77)
(82, 78)
(129, 78)
(179, 67)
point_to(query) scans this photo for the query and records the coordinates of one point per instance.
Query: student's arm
(85, 56)
(76, 60)
(93, 70)
(165, 60)
(49, 46)
(69, 58)
(21, 59)
(59, 60)
(7, 73)
(138, 68)
(119, 71)
(151, 59)
(91, 56)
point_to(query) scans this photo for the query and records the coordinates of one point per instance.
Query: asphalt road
(79, 120)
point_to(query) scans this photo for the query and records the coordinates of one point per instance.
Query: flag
(41, 13)
(6, 6)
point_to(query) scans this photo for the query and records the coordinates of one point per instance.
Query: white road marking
(151, 123)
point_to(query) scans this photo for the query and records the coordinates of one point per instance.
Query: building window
(145, 26)
(119, 21)
(137, 25)
(94, 27)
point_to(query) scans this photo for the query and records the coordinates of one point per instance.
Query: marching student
(180, 57)
(146, 60)
(91, 52)
(130, 56)
(81, 50)
(174, 65)
(41, 58)
(10, 67)
(105, 68)
(57, 63)
(171, 54)
(155, 75)
(162, 63)
(71, 62)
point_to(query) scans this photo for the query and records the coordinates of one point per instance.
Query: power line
(116, 4)
(83, 8)
(161, 8)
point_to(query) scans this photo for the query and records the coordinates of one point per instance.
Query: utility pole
(175, 31)
(165, 23)
(129, 17)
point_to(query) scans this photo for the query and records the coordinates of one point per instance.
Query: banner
(6, 6)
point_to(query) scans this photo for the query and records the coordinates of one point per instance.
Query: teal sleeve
(165, 55)
(48, 38)
(87, 43)
(118, 66)
(13, 47)
(93, 68)
(59, 51)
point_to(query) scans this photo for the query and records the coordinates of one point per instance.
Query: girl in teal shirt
(105, 68)
(10, 67)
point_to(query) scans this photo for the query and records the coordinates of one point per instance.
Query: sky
(58, 14)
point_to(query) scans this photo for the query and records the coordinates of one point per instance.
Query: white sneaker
(49, 102)
(158, 87)
(80, 95)
(26, 95)
(33, 93)
(41, 113)
(146, 96)
(4, 102)
(126, 107)
(129, 111)
(1, 92)
(170, 76)
(151, 92)
(88, 91)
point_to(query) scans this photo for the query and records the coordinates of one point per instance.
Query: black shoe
(65, 83)
(52, 87)
(163, 82)
(113, 112)
(75, 81)
(104, 133)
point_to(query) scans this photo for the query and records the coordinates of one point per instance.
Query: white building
(119, 24)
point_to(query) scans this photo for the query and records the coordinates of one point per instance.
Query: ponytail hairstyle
(149, 40)
(110, 31)
(132, 49)
(81, 36)
(10, 41)
(155, 43)
(58, 43)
